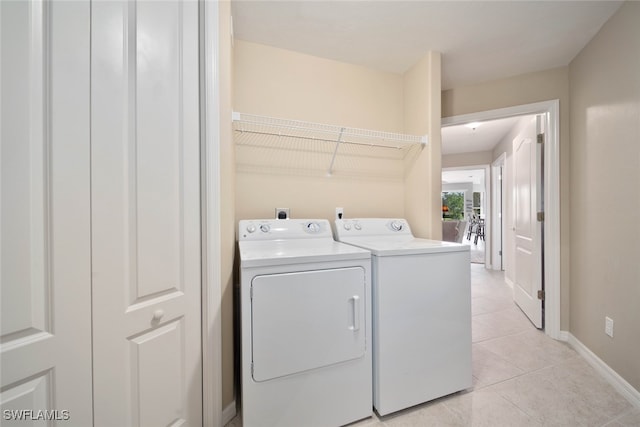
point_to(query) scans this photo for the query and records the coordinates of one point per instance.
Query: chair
(453, 231)
(460, 228)
(479, 231)
(449, 230)
(473, 222)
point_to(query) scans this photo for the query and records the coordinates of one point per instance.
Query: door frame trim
(498, 205)
(551, 197)
(211, 234)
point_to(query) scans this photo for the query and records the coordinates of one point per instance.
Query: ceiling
(479, 40)
(475, 176)
(475, 137)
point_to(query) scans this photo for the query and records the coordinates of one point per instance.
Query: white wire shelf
(278, 133)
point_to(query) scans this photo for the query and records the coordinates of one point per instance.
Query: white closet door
(146, 213)
(45, 349)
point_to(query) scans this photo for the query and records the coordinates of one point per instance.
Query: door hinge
(251, 369)
(251, 293)
(540, 216)
(541, 138)
(541, 295)
(500, 253)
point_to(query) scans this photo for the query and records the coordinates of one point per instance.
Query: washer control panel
(371, 227)
(272, 229)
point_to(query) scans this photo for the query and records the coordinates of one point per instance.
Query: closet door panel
(45, 343)
(146, 213)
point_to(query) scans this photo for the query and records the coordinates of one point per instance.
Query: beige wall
(605, 195)
(526, 89)
(423, 179)
(227, 194)
(285, 84)
(461, 160)
(284, 173)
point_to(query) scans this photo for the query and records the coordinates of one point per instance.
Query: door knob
(157, 315)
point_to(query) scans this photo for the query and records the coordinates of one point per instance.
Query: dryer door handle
(356, 313)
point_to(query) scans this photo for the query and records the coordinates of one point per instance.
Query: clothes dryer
(305, 308)
(421, 312)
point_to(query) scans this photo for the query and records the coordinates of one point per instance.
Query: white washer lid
(403, 245)
(296, 251)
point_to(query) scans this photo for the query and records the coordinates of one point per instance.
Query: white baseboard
(563, 336)
(508, 281)
(611, 376)
(228, 413)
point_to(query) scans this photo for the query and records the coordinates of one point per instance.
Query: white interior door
(45, 349)
(146, 213)
(527, 155)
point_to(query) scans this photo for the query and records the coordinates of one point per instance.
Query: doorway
(551, 249)
(471, 182)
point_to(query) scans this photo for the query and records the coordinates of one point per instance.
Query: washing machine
(421, 312)
(305, 317)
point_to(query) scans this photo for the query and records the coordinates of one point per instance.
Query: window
(453, 205)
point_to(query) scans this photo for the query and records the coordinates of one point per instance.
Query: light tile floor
(477, 250)
(520, 376)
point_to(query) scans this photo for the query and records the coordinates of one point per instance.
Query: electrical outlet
(608, 326)
(339, 213)
(282, 213)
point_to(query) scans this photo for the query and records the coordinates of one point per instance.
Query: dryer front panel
(306, 320)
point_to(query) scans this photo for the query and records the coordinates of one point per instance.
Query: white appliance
(305, 308)
(421, 312)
